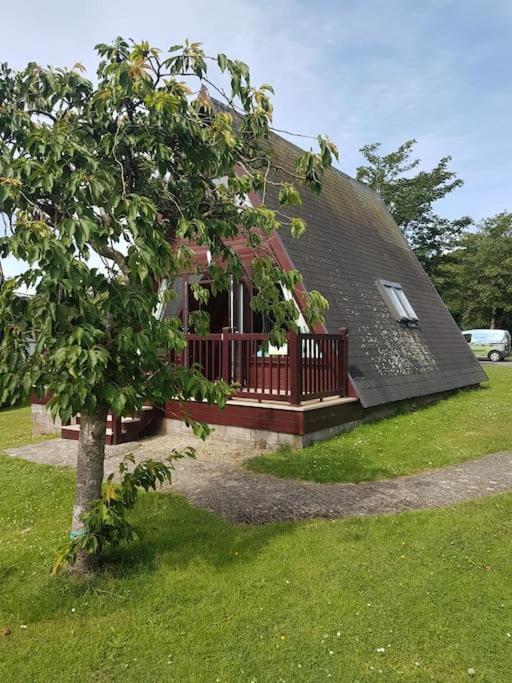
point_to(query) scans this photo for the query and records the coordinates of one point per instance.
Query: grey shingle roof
(351, 242)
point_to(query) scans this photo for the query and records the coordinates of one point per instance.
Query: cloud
(359, 70)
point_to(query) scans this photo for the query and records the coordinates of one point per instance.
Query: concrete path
(216, 482)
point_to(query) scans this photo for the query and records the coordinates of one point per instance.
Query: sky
(360, 71)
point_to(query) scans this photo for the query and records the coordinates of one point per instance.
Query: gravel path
(216, 482)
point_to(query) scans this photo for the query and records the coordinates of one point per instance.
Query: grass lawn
(199, 599)
(464, 426)
(16, 428)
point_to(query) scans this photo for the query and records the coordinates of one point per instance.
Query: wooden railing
(309, 366)
(323, 359)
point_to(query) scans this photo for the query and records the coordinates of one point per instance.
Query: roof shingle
(352, 242)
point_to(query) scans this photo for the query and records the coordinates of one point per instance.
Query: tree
(124, 172)
(475, 280)
(410, 198)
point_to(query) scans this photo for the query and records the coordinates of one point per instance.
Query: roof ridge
(226, 107)
(337, 170)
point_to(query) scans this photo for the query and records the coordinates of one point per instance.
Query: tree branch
(114, 255)
(40, 112)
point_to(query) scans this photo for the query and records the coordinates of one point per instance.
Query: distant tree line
(469, 263)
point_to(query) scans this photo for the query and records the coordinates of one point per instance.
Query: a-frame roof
(350, 244)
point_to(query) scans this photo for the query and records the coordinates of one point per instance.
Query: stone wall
(258, 438)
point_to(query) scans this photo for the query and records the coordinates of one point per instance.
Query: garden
(417, 596)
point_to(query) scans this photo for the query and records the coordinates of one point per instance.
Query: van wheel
(495, 356)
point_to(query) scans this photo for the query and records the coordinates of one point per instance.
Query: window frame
(396, 300)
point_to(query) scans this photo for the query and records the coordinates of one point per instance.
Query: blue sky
(360, 71)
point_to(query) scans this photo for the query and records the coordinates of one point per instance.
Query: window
(397, 302)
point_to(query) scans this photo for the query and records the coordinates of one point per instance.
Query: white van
(494, 345)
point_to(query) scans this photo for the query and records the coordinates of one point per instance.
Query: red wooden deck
(267, 416)
(309, 366)
(274, 388)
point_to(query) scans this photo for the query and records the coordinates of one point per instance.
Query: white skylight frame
(397, 302)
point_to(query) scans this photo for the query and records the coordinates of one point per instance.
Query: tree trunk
(493, 319)
(89, 476)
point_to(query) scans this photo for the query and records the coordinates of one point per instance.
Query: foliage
(464, 426)
(105, 524)
(410, 196)
(432, 588)
(103, 185)
(475, 280)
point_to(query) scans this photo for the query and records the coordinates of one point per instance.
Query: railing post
(226, 341)
(116, 429)
(344, 359)
(295, 353)
(184, 356)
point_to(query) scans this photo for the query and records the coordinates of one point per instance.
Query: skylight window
(397, 302)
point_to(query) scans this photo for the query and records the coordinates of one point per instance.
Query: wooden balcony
(284, 381)
(309, 366)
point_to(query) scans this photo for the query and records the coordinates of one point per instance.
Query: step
(75, 429)
(131, 427)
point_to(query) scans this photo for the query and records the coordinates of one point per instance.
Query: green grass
(200, 600)
(16, 428)
(463, 426)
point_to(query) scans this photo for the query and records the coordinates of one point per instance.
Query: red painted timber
(273, 419)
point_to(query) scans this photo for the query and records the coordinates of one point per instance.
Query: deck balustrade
(309, 366)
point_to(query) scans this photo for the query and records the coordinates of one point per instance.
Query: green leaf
(222, 61)
(289, 195)
(297, 227)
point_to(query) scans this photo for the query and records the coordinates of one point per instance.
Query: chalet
(388, 339)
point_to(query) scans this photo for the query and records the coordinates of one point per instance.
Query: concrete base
(264, 439)
(43, 422)
(258, 438)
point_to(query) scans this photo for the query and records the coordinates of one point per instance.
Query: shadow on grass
(304, 465)
(173, 536)
(176, 533)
